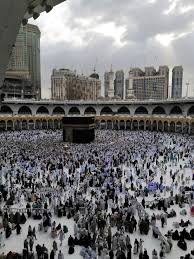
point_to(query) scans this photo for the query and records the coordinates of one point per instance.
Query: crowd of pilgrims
(102, 187)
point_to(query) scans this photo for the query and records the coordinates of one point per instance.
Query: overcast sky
(79, 34)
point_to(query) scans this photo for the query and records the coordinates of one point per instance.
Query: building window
(154, 86)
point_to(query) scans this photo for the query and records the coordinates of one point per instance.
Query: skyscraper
(33, 49)
(58, 83)
(119, 83)
(19, 57)
(67, 85)
(177, 82)
(23, 78)
(106, 84)
(148, 84)
(109, 90)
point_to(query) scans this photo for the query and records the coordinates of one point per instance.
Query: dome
(94, 75)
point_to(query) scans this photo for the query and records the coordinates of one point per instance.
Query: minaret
(111, 91)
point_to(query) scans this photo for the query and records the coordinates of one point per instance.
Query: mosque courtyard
(126, 183)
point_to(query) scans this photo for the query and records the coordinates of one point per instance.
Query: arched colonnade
(177, 124)
(10, 123)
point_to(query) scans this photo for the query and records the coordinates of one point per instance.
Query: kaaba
(79, 129)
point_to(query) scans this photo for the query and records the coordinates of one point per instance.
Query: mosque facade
(170, 116)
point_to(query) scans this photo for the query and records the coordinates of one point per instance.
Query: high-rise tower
(23, 78)
(111, 91)
(148, 84)
(177, 82)
(119, 83)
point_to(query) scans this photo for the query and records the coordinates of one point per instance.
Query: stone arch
(38, 124)
(24, 110)
(178, 127)
(106, 110)
(116, 125)
(56, 124)
(50, 124)
(24, 125)
(148, 125)
(102, 124)
(160, 126)
(44, 124)
(31, 124)
(191, 111)
(6, 110)
(123, 110)
(135, 125)
(172, 126)
(121, 124)
(166, 126)
(58, 110)
(90, 110)
(141, 110)
(192, 128)
(154, 125)
(128, 124)
(2, 125)
(176, 110)
(185, 127)
(17, 125)
(74, 111)
(42, 110)
(158, 110)
(141, 125)
(109, 124)
(9, 125)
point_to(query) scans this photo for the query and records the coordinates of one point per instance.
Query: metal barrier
(156, 229)
(24, 210)
(161, 238)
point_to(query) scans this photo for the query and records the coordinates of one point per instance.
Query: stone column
(151, 125)
(168, 127)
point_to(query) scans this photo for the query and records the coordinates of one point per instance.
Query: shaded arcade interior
(162, 123)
